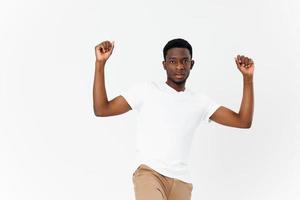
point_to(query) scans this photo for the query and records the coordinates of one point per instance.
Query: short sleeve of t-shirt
(209, 107)
(135, 95)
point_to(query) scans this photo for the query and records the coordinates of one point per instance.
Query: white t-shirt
(167, 120)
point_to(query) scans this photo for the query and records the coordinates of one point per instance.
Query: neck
(179, 87)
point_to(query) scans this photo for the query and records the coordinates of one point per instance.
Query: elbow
(99, 113)
(101, 110)
(245, 122)
(247, 125)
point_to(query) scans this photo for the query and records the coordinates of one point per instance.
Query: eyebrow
(176, 57)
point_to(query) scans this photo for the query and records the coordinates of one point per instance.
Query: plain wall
(52, 146)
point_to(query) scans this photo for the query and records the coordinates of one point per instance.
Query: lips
(179, 75)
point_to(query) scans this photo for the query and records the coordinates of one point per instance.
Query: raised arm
(103, 107)
(242, 119)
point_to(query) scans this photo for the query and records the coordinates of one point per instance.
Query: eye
(185, 61)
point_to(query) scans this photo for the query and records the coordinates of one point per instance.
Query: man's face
(178, 64)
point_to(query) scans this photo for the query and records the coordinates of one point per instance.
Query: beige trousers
(151, 185)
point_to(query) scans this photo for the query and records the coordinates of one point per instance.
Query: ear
(164, 64)
(192, 64)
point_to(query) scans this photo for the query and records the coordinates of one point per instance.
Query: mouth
(179, 75)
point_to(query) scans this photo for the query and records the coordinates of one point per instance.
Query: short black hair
(179, 43)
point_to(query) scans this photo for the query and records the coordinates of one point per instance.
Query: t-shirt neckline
(173, 90)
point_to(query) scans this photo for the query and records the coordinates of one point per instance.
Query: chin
(179, 81)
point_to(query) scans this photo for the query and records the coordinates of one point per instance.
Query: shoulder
(153, 85)
(139, 85)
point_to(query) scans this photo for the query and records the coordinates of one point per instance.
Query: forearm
(99, 91)
(247, 104)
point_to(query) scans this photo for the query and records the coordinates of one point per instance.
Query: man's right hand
(104, 50)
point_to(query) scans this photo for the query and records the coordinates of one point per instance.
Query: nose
(180, 65)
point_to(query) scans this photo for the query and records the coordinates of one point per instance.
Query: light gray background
(53, 147)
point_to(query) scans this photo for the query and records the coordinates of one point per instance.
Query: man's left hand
(245, 65)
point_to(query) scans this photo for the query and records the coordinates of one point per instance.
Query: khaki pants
(151, 185)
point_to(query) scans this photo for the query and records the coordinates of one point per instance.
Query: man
(168, 116)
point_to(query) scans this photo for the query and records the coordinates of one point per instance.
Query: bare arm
(242, 119)
(103, 107)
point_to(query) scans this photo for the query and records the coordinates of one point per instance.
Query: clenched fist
(104, 50)
(245, 65)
